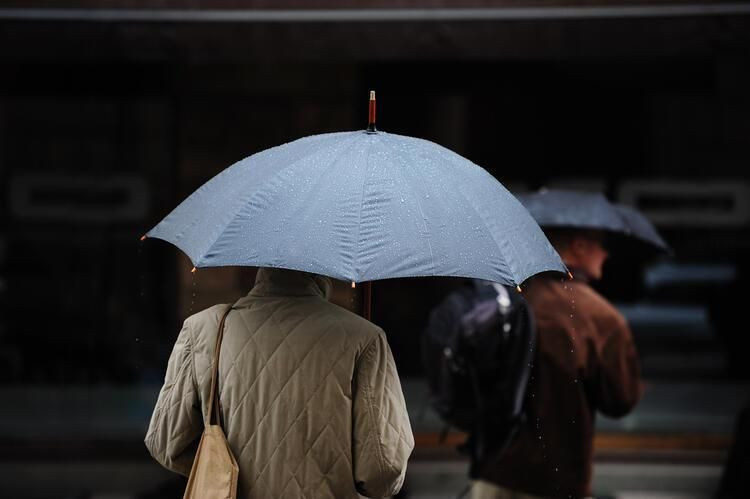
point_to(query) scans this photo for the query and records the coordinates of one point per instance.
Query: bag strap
(214, 397)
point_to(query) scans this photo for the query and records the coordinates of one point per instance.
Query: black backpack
(477, 352)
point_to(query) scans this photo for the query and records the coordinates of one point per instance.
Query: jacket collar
(580, 275)
(545, 278)
(283, 282)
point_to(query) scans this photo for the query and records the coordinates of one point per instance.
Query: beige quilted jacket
(310, 397)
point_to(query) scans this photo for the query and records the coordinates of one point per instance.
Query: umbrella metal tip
(143, 237)
(193, 271)
(570, 275)
(518, 288)
(371, 113)
(354, 284)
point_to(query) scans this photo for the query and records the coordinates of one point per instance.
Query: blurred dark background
(109, 118)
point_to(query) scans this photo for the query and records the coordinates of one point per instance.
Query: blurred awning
(259, 11)
(370, 30)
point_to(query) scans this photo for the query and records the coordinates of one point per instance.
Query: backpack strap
(214, 397)
(479, 433)
(503, 298)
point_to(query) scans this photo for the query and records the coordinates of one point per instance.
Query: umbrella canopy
(361, 206)
(557, 208)
(641, 227)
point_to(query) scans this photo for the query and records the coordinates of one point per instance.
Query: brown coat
(310, 398)
(585, 362)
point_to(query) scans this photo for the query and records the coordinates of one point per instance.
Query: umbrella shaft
(367, 300)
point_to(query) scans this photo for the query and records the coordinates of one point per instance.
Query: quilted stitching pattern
(295, 372)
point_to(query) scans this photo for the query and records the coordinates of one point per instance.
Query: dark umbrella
(642, 228)
(558, 208)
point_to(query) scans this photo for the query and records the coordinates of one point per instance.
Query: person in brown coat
(585, 363)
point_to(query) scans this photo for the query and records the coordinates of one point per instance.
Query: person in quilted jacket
(310, 399)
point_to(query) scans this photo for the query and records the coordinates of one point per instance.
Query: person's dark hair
(560, 238)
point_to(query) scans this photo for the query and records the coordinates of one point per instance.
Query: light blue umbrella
(360, 206)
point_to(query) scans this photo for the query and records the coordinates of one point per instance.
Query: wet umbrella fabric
(641, 227)
(558, 208)
(361, 206)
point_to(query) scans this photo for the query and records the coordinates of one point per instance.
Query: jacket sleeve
(382, 436)
(177, 423)
(618, 381)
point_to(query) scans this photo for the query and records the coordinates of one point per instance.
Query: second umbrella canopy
(559, 208)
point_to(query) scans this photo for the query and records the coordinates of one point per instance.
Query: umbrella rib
(339, 157)
(419, 205)
(511, 263)
(355, 266)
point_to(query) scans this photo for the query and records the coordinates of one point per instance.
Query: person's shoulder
(210, 314)
(206, 318)
(349, 320)
(199, 330)
(598, 306)
(585, 293)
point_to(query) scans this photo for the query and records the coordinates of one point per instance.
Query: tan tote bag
(215, 471)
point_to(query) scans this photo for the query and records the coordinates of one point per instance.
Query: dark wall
(104, 128)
